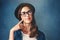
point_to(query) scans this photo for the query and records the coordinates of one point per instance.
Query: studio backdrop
(47, 16)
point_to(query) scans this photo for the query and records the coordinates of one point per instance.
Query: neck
(27, 27)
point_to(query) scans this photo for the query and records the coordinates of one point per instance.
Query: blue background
(47, 17)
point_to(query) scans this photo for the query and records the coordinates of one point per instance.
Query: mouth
(28, 18)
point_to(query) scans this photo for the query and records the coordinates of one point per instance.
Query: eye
(29, 11)
(23, 13)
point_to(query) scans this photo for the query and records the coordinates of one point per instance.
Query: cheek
(23, 18)
(31, 17)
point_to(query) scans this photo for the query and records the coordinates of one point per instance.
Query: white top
(26, 37)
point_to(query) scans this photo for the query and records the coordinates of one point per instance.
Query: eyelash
(26, 12)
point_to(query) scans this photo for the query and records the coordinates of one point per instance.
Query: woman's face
(26, 15)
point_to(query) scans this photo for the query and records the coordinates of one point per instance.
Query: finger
(20, 21)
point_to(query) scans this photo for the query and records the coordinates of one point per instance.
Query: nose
(27, 14)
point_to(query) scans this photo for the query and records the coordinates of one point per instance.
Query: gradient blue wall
(47, 17)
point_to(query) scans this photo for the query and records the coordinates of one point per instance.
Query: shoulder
(17, 34)
(41, 35)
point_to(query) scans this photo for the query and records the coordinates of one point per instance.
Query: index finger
(20, 21)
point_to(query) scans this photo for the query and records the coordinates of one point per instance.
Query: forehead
(25, 9)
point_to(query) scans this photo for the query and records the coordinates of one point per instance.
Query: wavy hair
(34, 28)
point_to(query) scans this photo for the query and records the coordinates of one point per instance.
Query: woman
(26, 29)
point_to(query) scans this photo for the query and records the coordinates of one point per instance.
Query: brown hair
(34, 28)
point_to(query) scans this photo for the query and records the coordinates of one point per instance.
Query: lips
(28, 18)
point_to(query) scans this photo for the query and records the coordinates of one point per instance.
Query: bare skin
(26, 23)
(15, 28)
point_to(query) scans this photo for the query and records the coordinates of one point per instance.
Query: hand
(17, 26)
